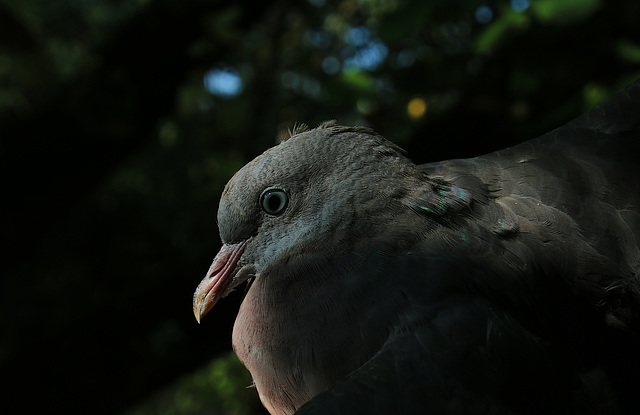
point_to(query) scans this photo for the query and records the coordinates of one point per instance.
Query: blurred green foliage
(121, 120)
(221, 387)
(564, 12)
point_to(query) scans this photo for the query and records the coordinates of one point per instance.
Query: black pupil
(274, 202)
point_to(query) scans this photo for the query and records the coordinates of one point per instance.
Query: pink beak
(214, 285)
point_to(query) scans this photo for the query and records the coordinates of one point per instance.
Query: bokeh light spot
(290, 80)
(357, 36)
(416, 108)
(330, 65)
(520, 5)
(311, 87)
(484, 14)
(223, 82)
(320, 39)
(365, 106)
(369, 57)
(405, 58)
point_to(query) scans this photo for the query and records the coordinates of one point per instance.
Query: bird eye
(274, 201)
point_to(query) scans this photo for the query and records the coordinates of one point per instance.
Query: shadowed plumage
(506, 283)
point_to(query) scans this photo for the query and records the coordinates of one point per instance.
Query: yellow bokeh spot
(416, 108)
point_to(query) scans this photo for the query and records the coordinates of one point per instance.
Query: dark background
(120, 122)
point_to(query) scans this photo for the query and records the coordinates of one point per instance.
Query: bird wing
(567, 202)
(533, 306)
(472, 358)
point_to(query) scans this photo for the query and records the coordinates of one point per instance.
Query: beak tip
(197, 313)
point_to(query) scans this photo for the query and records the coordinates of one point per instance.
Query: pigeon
(505, 283)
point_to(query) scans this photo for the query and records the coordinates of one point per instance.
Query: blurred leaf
(499, 30)
(222, 387)
(629, 51)
(561, 12)
(357, 80)
(594, 93)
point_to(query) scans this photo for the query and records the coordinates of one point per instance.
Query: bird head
(312, 192)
